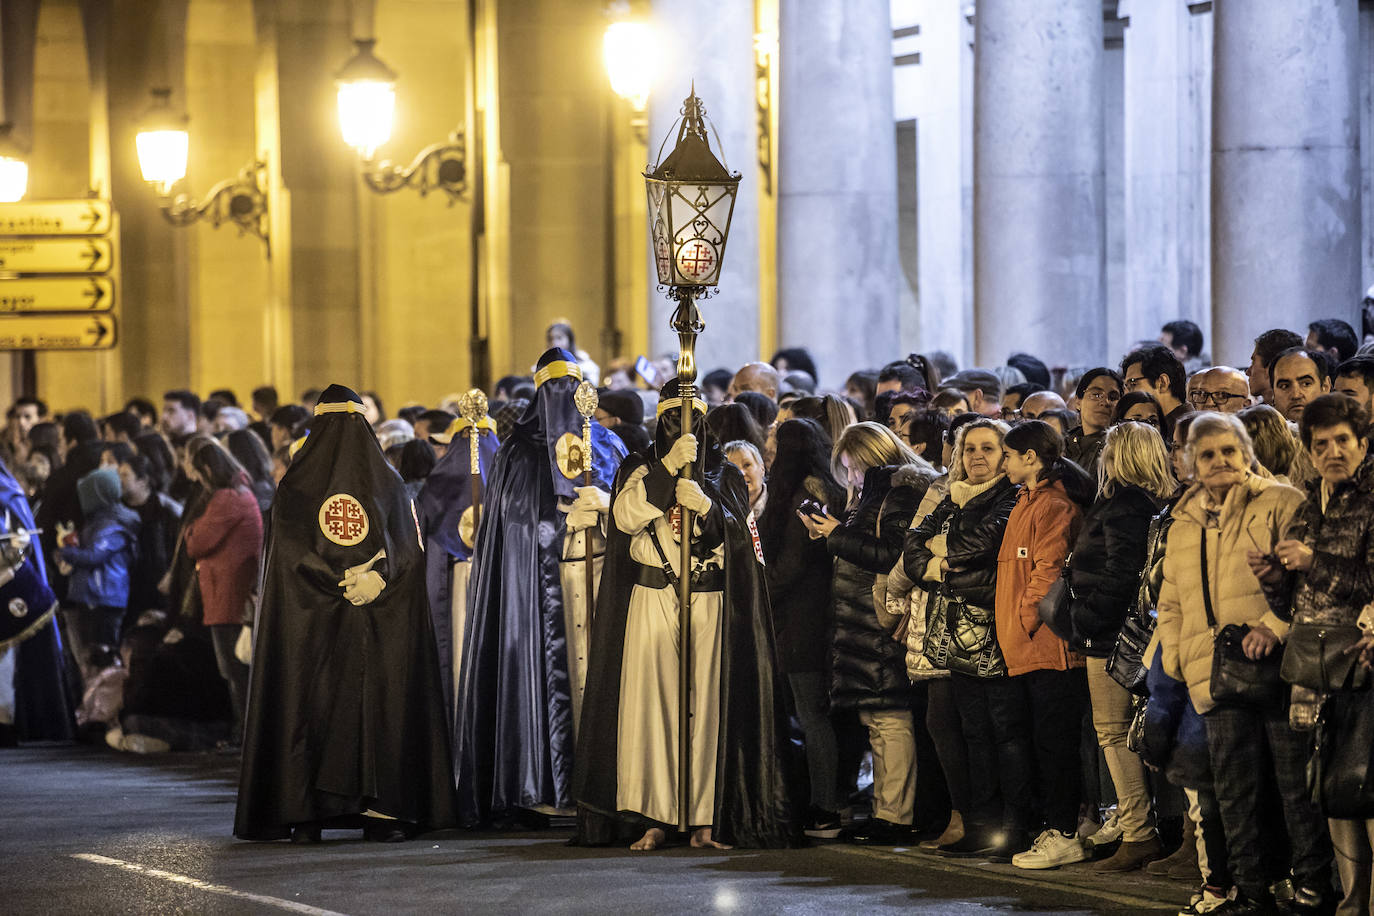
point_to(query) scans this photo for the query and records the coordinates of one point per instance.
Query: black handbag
(1317, 656)
(1054, 607)
(1236, 679)
(1340, 773)
(962, 638)
(1126, 663)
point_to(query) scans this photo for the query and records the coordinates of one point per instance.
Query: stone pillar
(1038, 196)
(1285, 169)
(838, 267)
(711, 45)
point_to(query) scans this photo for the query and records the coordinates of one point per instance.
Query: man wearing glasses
(1155, 368)
(1222, 389)
(1097, 392)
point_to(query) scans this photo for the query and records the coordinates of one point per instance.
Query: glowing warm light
(631, 56)
(366, 112)
(14, 179)
(162, 143)
(367, 100)
(162, 156)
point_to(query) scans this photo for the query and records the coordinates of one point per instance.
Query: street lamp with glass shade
(629, 51)
(367, 100)
(691, 200)
(163, 144)
(367, 111)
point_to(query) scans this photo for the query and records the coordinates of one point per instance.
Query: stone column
(838, 268)
(1038, 196)
(711, 45)
(1285, 169)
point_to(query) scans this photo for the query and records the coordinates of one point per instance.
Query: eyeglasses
(1219, 398)
(1010, 413)
(1100, 394)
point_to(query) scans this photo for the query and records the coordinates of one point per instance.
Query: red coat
(1042, 527)
(226, 544)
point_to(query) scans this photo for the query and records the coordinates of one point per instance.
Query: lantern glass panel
(689, 222)
(162, 156)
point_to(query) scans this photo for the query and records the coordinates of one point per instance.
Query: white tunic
(647, 777)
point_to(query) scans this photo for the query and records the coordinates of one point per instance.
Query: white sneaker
(1050, 850)
(1108, 833)
(1204, 901)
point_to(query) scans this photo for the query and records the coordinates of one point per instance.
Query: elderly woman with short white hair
(1228, 511)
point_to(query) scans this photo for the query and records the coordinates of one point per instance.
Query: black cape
(345, 712)
(754, 788)
(513, 730)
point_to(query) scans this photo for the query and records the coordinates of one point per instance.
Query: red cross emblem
(343, 520)
(696, 259)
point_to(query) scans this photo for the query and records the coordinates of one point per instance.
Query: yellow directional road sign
(57, 294)
(55, 217)
(57, 256)
(57, 332)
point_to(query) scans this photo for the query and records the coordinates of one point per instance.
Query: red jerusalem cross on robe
(343, 520)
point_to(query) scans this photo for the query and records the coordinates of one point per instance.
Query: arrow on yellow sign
(58, 294)
(57, 332)
(56, 256)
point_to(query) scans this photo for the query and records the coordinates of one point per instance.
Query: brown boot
(1183, 862)
(954, 832)
(1131, 855)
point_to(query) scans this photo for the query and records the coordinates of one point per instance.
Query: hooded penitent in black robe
(513, 733)
(753, 793)
(345, 712)
(443, 500)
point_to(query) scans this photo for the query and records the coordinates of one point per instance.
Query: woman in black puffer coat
(1104, 581)
(869, 666)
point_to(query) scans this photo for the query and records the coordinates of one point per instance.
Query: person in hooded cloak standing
(627, 755)
(447, 525)
(526, 642)
(34, 703)
(346, 725)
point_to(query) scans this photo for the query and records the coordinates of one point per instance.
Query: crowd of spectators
(998, 593)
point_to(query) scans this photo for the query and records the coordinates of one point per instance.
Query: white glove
(362, 587)
(691, 497)
(173, 636)
(581, 519)
(683, 453)
(19, 543)
(63, 567)
(594, 499)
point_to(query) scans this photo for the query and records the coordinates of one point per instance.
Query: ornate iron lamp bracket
(438, 167)
(241, 200)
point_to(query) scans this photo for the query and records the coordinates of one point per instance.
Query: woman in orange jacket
(1037, 711)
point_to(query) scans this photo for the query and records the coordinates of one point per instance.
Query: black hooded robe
(753, 796)
(346, 713)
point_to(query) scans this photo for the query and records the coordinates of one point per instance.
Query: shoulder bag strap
(1207, 584)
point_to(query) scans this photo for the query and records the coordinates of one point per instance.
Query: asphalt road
(84, 830)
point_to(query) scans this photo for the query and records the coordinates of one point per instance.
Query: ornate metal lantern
(691, 200)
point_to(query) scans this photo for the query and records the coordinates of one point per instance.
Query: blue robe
(513, 732)
(446, 495)
(43, 708)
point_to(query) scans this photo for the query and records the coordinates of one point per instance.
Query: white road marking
(174, 878)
